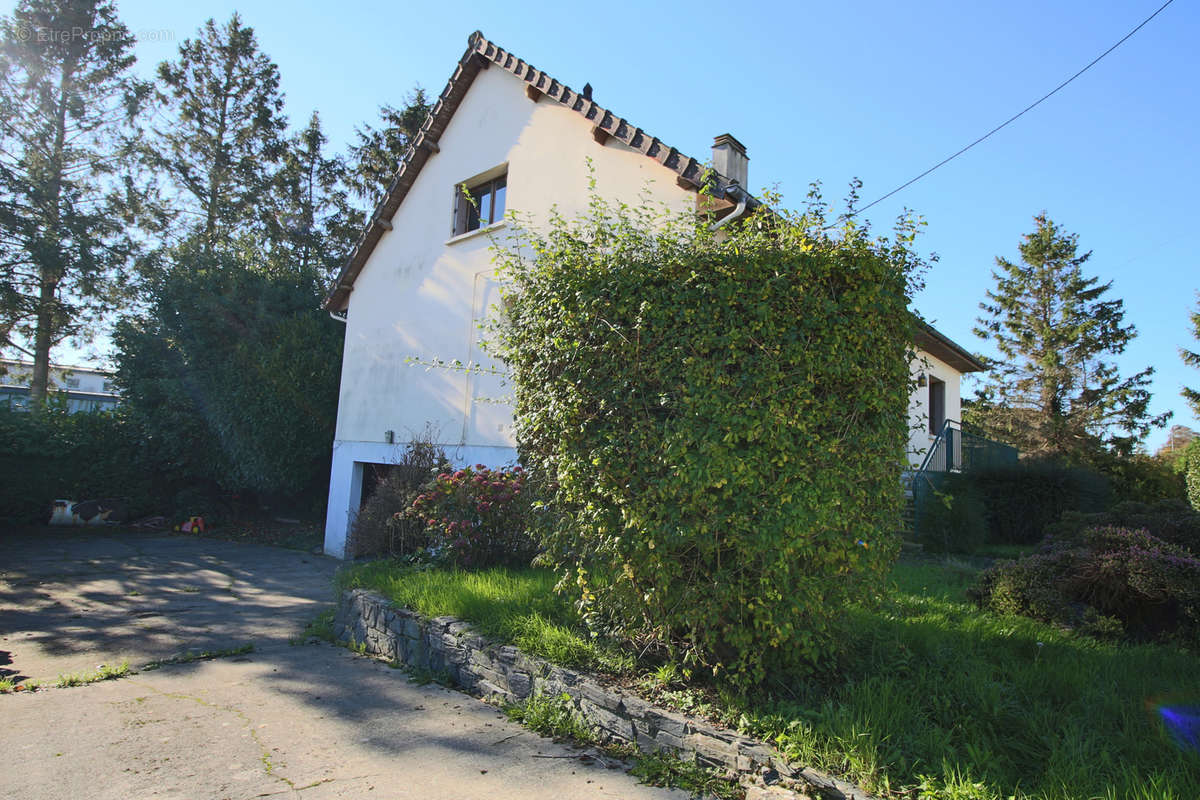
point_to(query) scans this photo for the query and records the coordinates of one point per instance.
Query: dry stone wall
(503, 673)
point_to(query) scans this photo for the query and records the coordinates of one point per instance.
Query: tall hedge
(49, 454)
(721, 417)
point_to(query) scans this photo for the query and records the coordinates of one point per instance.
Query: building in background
(86, 388)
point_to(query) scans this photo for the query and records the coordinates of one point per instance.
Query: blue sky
(830, 91)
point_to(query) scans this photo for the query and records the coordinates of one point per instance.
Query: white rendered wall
(919, 437)
(422, 295)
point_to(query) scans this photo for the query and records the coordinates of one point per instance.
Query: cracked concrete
(311, 721)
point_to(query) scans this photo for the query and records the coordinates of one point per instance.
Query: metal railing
(954, 450)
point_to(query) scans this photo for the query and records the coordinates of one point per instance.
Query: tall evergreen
(376, 154)
(223, 133)
(315, 222)
(67, 104)
(1055, 390)
(1192, 359)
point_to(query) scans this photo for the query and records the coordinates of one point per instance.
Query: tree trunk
(51, 274)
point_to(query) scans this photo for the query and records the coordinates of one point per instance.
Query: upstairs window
(479, 205)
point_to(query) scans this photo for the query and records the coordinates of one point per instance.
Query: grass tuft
(104, 672)
(201, 655)
(320, 628)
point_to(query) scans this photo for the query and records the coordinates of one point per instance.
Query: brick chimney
(730, 159)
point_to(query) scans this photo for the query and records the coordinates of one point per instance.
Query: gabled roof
(942, 347)
(483, 54)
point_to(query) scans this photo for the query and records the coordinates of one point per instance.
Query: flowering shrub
(1173, 521)
(477, 517)
(1107, 580)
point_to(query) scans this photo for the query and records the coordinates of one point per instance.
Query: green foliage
(320, 628)
(719, 417)
(955, 518)
(1140, 478)
(225, 130)
(47, 454)
(661, 769)
(104, 672)
(232, 375)
(513, 606)
(477, 517)
(381, 527)
(1056, 391)
(1105, 580)
(1022, 500)
(1172, 521)
(376, 152)
(1192, 359)
(1193, 474)
(554, 716)
(67, 187)
(932, 692)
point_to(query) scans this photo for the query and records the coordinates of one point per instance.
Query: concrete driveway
(309, 720)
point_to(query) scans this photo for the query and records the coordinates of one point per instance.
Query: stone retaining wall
(503, 673)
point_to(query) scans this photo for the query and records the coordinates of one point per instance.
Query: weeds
(659, 769)
(104, 672)
(553, 716)
(203, 655)
(321, 628)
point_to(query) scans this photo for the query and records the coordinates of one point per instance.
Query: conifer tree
(68, 102)
(223, 134)
(1192, 359)
(316, 224)
(1055, 390)
(376, 155)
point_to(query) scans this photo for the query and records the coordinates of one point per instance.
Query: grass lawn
(934, 699)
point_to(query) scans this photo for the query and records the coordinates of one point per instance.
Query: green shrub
(1141, 478)
(953, 519)
(1022, 500)
(377, 528)
(1193, 474)
(1107, 581)
(720, 418)
(1172, 521)
(49, 454)
(477, 517)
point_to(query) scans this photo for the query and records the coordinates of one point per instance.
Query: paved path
(311, 721)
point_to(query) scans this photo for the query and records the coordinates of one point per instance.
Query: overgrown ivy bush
(477, 517)
(720, 417)
(1107, 581)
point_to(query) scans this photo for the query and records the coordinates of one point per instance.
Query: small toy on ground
(193, 525)
(88, 512)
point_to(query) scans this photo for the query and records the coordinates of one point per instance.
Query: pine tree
(376, 155)
(315, 222)
(1192, 359)
(67, 106)
(1055, 390)
(223, 136)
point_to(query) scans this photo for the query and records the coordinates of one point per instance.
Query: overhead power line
(1019, 114)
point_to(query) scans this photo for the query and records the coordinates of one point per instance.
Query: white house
(85, 388)
(419, 278)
